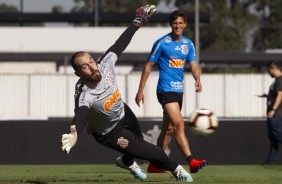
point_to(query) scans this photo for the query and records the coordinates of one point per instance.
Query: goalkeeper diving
(99, 106)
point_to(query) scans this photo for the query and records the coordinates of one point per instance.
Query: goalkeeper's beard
(95, 76)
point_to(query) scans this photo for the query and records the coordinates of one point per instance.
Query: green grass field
(79, 174)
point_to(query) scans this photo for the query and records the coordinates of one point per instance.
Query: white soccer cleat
(182, 175)
(135, 170)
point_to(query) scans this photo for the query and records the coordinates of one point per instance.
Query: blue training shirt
(171, 57)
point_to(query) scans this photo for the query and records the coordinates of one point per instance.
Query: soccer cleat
(135, 170)
(195, 165)
(181, 174)
(153, 169)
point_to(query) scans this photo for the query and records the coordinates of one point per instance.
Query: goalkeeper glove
(143, 15)
(69, 140)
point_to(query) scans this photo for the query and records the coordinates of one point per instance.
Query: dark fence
(38, 142)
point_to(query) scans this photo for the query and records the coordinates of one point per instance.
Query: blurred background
(234, 40)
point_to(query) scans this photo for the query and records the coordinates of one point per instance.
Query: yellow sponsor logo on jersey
(112, 99)
(176, 63)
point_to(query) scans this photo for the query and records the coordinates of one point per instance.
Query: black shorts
(127, 138)
(169, 97)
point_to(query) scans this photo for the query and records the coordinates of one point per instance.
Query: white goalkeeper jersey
(103, 100)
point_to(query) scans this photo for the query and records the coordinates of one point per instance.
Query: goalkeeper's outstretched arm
(78, 124)
(142, 16)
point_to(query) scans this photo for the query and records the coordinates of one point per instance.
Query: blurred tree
(111, 6)
(230, 28)
(124, 6)
(114, 6)
(231, 25)
(84, 6)
(269, 35)
(57, 9)
(4, 8)
(187, 5)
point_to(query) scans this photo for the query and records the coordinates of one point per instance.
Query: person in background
(274, 112)
(112, 123)
(171, 52)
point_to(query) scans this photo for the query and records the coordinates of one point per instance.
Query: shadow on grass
(35, 182)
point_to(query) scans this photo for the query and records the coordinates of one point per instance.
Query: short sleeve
(192, 53)
(155, 52)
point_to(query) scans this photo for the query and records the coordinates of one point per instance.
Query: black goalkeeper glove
(143, 15)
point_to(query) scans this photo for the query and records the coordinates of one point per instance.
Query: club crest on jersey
(184, 49)
(110, 79)
(122, 142)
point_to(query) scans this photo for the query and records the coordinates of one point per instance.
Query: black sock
(190, 158)
(127, 161)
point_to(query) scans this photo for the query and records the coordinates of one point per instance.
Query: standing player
(172, 52)
(110, 120)
(274, 112)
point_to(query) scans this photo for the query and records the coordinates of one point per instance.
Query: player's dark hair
(273, 64)
(73, 58)
(177, 13)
